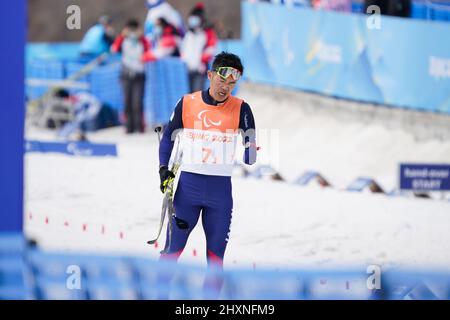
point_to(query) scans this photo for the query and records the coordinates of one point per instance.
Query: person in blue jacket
(97, 39)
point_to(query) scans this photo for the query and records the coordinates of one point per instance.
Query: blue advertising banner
(85, 149)
(12, 113)
(404, 62)
(425, 177)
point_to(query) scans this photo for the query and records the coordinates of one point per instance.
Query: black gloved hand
(164, 175)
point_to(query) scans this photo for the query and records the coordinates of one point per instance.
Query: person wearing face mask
(166, 41)
(162, 9)
(192, 47)
(132, 44)
(208, 123)
(211, 35)
(97, 39)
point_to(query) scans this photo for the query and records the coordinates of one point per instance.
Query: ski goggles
(225, 72)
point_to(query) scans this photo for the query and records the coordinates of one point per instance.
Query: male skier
(211, 121)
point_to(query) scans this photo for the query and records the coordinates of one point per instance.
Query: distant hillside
(47, 18)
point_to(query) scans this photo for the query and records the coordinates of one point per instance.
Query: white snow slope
(112, 204)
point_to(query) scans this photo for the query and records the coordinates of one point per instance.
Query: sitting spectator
(132, 44)
(167, 41)
(86, 109)
(97, 39)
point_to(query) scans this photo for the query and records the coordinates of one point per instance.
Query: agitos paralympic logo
(206, 121)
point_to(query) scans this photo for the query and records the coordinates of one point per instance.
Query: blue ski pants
(212, 197)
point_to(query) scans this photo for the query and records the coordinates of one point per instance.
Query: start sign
(425, 177)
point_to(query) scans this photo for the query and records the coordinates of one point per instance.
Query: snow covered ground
(112, 204)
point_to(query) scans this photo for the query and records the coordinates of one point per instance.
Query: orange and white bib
(209, 135)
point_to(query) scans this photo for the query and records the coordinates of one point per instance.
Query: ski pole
(164, 209)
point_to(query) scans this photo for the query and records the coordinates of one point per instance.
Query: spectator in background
(132, 44)
(167, 41)
(161, 9)
(192, 47)
(211, 36)
(97, 39)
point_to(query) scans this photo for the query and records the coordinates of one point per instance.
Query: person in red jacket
(166, 44)
(211, 36)
(132, 44)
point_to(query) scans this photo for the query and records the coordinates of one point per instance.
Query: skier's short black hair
(226, 59)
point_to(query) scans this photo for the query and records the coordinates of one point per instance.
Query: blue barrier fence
(430, 10)
(29, 273)
(166, 79)
(339, 55)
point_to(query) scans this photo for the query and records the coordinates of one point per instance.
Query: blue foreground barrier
(29, 273)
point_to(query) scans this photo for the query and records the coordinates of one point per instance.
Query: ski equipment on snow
(167, 206)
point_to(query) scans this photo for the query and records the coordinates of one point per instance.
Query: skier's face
(219, 88)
